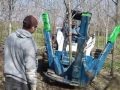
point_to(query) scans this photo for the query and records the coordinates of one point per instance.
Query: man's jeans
(12, 84)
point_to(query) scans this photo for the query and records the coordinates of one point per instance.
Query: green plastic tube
(86, 14)
(114, 34)
(46, 22)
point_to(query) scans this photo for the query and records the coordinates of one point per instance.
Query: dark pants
(12, 84)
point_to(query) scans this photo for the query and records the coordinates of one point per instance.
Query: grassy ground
(103, 82)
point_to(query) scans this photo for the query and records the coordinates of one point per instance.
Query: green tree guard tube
(114, 34)
(46, 22)
(86, 14)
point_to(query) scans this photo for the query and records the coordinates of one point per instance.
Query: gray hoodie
(20, 57)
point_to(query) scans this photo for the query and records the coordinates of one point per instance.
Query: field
(104, 81)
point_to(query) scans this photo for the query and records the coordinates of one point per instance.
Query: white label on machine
(74, 47)
(90, 45)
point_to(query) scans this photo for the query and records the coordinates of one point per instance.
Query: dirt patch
(103, 82)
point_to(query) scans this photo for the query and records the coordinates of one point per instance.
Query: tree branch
(115, 2)
(109, 15)
(66, 6)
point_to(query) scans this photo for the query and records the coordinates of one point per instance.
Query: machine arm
(108, 48)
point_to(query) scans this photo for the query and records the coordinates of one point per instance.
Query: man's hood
(23, 33)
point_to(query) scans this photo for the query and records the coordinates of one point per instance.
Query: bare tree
(116, 2)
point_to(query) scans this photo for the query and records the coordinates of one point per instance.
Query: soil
(104, 81)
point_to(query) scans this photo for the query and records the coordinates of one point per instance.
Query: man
(60, 39)
(20, 62)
